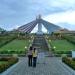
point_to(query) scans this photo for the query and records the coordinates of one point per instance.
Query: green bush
(10, 62)
(73, 59)
(4, 59)
(69, 61)
(13, 52)
(63, 52)
(60, 53)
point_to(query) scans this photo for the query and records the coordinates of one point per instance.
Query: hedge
(10, 62)
(6, 41)
(13, 52)
(69, 61)
(69, 38)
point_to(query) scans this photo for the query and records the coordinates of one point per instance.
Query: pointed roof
(29, 27)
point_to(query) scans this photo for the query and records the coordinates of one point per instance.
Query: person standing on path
(34, 53)
(30, 56)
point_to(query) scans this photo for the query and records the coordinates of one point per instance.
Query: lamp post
(29, 41)
(49, 40)
(54, 47)
(25, 47)
(8, 51)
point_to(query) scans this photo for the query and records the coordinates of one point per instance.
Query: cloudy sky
(14, 13)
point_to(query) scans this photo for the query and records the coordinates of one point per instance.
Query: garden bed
(5, 63)
(69, 61)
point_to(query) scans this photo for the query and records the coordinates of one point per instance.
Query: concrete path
(45, 66)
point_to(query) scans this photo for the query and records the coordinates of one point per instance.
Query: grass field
(16, 45)
(3, 62)
(62, 45)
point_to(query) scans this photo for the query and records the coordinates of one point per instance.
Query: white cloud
(62, 17)
(68, 16)
(16, 12)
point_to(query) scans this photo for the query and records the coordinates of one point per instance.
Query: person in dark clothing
(30, 56)
(34, 53)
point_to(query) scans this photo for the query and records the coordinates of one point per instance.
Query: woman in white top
(30, 56)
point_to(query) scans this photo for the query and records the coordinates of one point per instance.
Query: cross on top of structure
(39, 16)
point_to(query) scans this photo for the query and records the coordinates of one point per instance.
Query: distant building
(64, 31)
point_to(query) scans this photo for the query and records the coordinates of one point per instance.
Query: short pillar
(73, 54)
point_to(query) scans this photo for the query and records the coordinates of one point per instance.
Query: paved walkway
(45, 66)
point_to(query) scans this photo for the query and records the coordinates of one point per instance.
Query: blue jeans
(30, 60)
(34, 61)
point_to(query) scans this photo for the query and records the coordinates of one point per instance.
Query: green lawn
(3, 62)
(62, 45)
(16, 45)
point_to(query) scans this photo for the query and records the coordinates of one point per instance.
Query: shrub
(69, 61)
(73, 59)
(10, 62)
